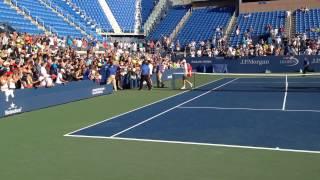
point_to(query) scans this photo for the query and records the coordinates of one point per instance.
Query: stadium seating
(307, 21)
(203, 22)
(65, 6)
(146, 9)
(94, 10)
(124, 12)
(37, 9)
(201, 25)
(16, 20)
(169, 22)
(258, 21)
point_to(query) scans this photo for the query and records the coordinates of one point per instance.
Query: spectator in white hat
(60, 79)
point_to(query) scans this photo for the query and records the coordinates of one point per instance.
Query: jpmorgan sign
(315, 60)
(254, 62)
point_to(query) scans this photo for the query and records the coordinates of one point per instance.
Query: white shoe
(183, 87)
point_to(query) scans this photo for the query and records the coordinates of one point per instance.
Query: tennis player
(187, 69)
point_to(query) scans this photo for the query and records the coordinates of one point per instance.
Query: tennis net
(249, 82)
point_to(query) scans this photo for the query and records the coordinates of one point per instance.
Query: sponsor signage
(98, 91)
(277, 64)
(289, 61)
(11, 107)
(258, 62)
(17, 101)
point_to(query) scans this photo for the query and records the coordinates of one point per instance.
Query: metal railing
(85, 17)
(36, 19)
(289, 24)
(157, 11)
(66, 15)
(60, 11)
(230, 26)
(180, 24)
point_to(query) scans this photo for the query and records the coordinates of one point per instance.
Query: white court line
(139, 108)
(285, 95)
(224, 108)
(301, 82)
(278, 82)
(247, 109)
(168, 110)
(302, 110)
(258, 82)
(195, 143)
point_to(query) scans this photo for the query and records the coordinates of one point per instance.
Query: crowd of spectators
(273, 43)
(31, 61)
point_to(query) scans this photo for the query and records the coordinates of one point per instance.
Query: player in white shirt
(187, 73)
(151, 70)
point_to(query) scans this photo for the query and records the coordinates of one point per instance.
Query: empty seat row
(94, 10)
(124, 12)
(168, 23)
(16, 20)
(256, 24)
(306, 22)
(146, 9)
(202, 24)
(50, 18)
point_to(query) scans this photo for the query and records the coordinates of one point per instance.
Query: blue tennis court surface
(260, 113)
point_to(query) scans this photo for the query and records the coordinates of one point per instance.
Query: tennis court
(271, 113)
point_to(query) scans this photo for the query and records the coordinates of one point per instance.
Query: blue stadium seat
(124, 12)
(169, 22)
(146, 9)
(307, 21)
(258, 21)
(17, 21)
(203, 22)
(39, 10)
(94, 10)
(76, 15)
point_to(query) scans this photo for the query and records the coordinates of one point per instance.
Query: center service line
(285, 95)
